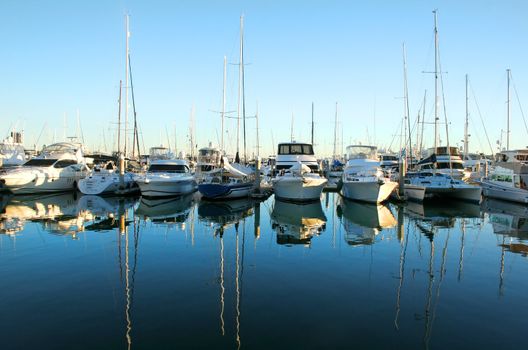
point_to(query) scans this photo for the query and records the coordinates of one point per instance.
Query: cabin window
(168, 168)
(64, 163)
(446, 166)
(296, 148)
(40, 162)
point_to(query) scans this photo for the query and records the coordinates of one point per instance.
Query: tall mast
(291, 130)
(240, 74)
(258, 143)
(508, 72)
(312, 124)
(335, 132)
(243, 83)
(466, 126)
(405, 104)
(119, 119)
(223, 103)
(436, 81)
(126, 84)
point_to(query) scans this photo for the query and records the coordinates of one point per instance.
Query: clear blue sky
(58, 57)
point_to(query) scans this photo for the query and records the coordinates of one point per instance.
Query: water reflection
(222, 215)
(297, 223)
(415, 276)
(167, 210)
(363, 221)
(507, 218)
(63, 213)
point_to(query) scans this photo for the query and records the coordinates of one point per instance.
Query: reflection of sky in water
(208, 274)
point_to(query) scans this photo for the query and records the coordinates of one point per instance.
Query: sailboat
(231, 180)
(437, 183)
(107, 179)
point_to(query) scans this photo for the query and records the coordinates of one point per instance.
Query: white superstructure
(166, 178)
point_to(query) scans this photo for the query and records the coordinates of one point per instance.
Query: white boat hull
(414, 193)
(296, 188)
(106, 184)
(40, 182)
(466, 193)
(507, 193)
(368, 191)
(166, 188)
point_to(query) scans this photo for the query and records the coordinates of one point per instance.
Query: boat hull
(225, 191)
(40, 182)
(107, 184)
(466, 193)
(298, 189)
(371, 192)
(166, 188)
(504, 192)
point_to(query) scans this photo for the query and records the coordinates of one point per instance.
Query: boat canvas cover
(234, 170)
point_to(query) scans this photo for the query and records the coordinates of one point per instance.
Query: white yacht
(12, 151)
(297, 176)
(209, 158)
(59, 167)
(363, 179)
(166, 178)
(509, 179)
(389, 162)
(107, 180)
(441, 186)
(445, 160)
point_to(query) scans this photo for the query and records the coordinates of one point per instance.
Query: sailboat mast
(335, 132)
(126, 83)
(466, 126)
(436, 81)
(258, 143)
(243, 83)
(223, 103)
(119, 118)
(405, 105)
(312, 124)
(508, 72)
(239, 88)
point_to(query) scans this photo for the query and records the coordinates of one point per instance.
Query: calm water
(103, 273)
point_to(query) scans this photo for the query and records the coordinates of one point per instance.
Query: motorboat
(298, 184)
(59, 167)
(165, 178)
(509, 179)
(209, 158)
(297, 177)
(444, 160)
(227, 182)
(442, 186)
(363, 179)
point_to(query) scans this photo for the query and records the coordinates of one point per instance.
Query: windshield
(168, 168)
(296, 148)
(361, 152)
(40, 162)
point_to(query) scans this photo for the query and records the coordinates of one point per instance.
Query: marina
(302, 176)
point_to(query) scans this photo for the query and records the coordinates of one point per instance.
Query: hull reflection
(363, 221)
(224, 214)
(297, 223)
(166, 210)
(507, 218)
